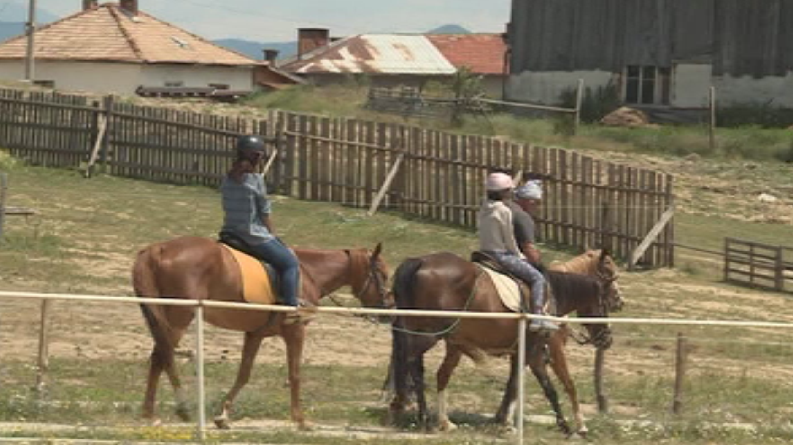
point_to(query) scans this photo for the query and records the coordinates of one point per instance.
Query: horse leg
(294, 336)
(559, 366)
(536, 361)
(410, 366)
(249, 350)
(505, 414)
(162, 359)
(450, 362)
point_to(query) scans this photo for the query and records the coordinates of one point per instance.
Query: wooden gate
(758, 265)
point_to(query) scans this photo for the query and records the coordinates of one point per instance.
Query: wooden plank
(650, 238)
(387, 184)
(564, 200)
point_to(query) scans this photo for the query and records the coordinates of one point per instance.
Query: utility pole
(30, 68)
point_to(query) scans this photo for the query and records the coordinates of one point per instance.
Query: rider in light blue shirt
(247, 216)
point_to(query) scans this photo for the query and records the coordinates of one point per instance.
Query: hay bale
(626, 117)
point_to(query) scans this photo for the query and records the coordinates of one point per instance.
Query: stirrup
(537, 325)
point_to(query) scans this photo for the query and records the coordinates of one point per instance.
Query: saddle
(514, 292)
(260, 279)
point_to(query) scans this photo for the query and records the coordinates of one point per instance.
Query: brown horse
(594, 263)
(194, 268)
(447, 282)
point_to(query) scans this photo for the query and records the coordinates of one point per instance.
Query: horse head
(604, 267)
(370, 285)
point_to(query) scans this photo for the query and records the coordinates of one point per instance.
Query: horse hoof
(305, 426)
(222, 423)
(447, 426)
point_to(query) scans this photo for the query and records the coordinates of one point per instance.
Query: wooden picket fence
(431, 174)
(758, 265)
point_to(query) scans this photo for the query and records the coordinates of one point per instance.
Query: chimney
(271, 56)
(131, 6)
(90, 4)
(309, 39)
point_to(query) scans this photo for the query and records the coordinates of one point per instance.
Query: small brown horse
(193, 268)
(447, 282)
(597, 264)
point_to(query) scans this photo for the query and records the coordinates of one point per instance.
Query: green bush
(595, 104)
(764, 115)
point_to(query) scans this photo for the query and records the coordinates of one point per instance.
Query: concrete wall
(690, 85)
(547, 87)
(746, 90)
(120, 78)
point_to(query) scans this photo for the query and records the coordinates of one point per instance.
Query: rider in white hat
(497, 239)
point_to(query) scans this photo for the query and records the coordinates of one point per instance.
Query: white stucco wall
(746, 89)
(238, 78)
(120, 78)
(547, 87)
(690, 85)
(125, 78)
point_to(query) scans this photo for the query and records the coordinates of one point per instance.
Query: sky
(273, 21)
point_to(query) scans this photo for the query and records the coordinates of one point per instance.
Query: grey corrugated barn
(657, 52)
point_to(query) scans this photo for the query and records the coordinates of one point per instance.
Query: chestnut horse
(193, 268)
(445, 281)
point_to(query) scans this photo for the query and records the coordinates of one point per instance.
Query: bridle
(599, 339)
(373, 277)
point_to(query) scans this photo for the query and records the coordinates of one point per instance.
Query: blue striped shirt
(244, 204)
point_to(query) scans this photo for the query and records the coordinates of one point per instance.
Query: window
(646, 85)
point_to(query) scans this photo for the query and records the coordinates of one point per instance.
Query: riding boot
(537, 296)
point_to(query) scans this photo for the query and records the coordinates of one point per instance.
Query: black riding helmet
(250, 143)
(250, 147)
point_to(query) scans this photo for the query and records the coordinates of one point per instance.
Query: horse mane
(567, 286)
(580, 264)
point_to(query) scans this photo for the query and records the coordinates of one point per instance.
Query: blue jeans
(526, 272)
(285, 262)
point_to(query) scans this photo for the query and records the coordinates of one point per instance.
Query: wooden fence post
(603, 402)
(680, 372)
(44, 347)
(779, 271)
(579, 101)
(3, 193)
(712, 118)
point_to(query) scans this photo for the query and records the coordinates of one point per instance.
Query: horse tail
(404, 279)
(144, 281)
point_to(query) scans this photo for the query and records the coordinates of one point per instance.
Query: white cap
(499, 181)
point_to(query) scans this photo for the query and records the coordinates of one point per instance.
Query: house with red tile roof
(117, 48)
(400, 59)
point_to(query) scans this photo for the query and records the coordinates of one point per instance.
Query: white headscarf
(531, 190)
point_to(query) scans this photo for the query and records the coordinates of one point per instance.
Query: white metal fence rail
(523, 318)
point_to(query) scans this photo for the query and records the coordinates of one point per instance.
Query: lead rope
(455, 324)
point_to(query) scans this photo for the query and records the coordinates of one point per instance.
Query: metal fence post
(519, 421)
(202, 421)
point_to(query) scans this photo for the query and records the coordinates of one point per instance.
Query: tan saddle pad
(256, 284)
(507, 289)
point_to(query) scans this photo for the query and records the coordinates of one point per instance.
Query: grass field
(88, 231)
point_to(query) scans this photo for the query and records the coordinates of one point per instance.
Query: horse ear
(377, 251)
(604, 253)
